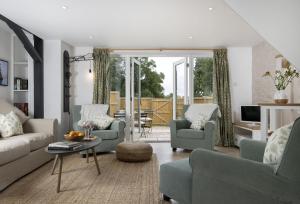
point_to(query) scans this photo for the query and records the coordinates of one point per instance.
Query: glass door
(180, 87)
(135, 93)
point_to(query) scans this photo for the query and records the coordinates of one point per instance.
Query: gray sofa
(212, 178)
(182, 136)
(21, 154)
(111, 137)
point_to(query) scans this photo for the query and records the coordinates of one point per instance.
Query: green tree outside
(203, 77)
(151, 80)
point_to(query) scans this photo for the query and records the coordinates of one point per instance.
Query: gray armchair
(182, 136)
(212, 178)
(111, 137)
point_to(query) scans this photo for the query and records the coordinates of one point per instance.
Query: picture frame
(3, 72)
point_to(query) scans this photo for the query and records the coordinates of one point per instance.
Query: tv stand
(244, 130)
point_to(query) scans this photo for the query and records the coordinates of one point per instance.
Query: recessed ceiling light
(91, 37)
(64, 7)
(210, 8)
(190, 37)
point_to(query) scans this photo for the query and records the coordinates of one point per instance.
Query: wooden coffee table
(86, 146)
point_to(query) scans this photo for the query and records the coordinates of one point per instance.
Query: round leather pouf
(134, 152)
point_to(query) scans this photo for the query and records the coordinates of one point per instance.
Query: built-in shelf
(21, 90)
(21, 63)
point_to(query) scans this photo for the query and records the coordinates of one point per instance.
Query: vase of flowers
(281, 79)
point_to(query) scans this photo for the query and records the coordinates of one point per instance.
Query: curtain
(221, 89)
(101, 73)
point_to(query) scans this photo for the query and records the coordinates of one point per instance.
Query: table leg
(59, 173)
(96, 161)
(87, 156)
(54, 164)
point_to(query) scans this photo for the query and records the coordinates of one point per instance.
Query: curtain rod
(161, 49)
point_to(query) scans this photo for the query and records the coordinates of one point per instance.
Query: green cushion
(106, 134)
(190, 134)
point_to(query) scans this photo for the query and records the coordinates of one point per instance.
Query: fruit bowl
(74, 136)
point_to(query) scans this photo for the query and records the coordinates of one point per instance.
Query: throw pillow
(10, 125)
(103, 122)
(6, 107)
(91, 111)
(276, 145)
(199, 123)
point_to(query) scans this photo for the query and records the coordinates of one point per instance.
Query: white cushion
(196, 111)
(36, 140)
(103, 122)
(12, 148)
(276, 145)
(92, 111)
(199, 123)
(6, 107)
(10, 125)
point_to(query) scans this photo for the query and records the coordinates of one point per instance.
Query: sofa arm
(48, 126)
(252, 149)
(119, 126)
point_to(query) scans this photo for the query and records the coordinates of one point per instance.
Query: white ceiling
(133, 23)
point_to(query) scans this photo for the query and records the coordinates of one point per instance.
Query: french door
(180, 86)
(133, 96)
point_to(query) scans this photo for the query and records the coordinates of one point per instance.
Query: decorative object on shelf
(67, 82)
(24, 84)
(3, 73)
(281, 79)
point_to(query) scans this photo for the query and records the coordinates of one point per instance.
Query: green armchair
(182, 136)
(111, 137)
(211, 178)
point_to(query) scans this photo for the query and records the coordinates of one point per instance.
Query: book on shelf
(65, 145)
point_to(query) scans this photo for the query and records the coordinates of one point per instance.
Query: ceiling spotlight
(64, 7)
(91, 37)
(210, 8)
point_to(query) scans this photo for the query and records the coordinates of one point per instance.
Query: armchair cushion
(190, 134)
(106, 134)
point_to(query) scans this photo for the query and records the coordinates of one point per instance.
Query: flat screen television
(3, 73)
(250, 113)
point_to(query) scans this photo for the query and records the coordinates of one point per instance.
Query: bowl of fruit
(74, 136)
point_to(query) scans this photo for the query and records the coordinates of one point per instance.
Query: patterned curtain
(221, 89)
(101, 76)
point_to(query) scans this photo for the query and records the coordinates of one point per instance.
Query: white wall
(82, 80)
(240, 70)
(5, 54)
(53, 82)
(276, 21)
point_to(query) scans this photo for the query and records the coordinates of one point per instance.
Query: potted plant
(281, 79)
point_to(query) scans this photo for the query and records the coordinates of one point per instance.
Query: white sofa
(21, 154)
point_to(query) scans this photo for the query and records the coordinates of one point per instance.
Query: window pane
(203, 79)
(117, 82)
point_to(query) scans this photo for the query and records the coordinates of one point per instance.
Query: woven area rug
(119, 182)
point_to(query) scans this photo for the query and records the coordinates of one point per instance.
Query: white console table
(265, 114)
